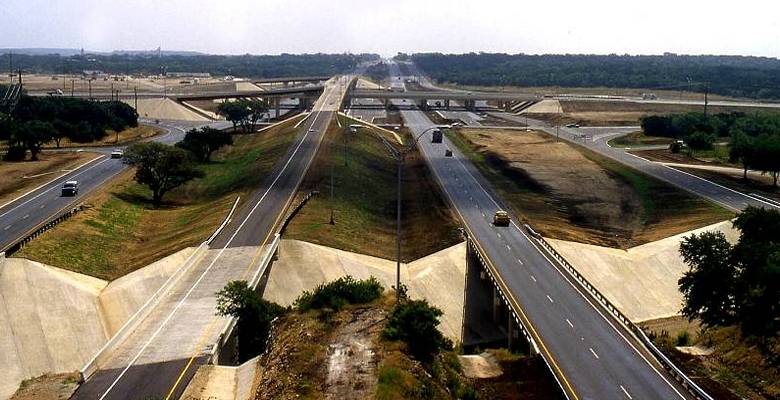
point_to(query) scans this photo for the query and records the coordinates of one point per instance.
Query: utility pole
(112, 92)
(89, 82)
(135, 95)
(72, 83)
(401, 157)
(706, 93)
(332, 170)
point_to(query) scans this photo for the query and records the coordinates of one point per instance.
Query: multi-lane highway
(161, 355)
(591, 355)
(22, 215)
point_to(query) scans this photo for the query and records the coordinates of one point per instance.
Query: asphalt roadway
(162, 354)
(591, 355)
(24, 214)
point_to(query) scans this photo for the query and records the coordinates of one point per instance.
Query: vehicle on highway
(437, 136)
(573, 125)
(448, 153)
(456, 124)
(501, 218)
(117, 153)
(70, 188)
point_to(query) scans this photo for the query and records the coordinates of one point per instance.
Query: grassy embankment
(122, 231)
(732, 367)
(113, 138)
(635, 139)
(664, 210)
(364, 200)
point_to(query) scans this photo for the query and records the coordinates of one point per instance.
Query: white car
(117, 153)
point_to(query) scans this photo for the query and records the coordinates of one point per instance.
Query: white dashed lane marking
(593, 352)
(569, 322)
(550, 298)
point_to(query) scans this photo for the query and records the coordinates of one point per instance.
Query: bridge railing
(662, 359)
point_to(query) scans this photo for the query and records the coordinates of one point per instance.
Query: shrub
(338, 293)
(683, 339)
(414, 322)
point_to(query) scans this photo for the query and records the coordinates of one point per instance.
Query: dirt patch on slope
(48, 387)
(567, 194)
(571, 193)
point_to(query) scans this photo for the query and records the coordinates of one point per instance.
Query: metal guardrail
(665, 362)
(42, 228)
(129, 326)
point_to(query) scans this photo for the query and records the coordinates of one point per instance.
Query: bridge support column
(447, 104)
(480, 307)
(470, 104)
(423, 104)
(277, 106)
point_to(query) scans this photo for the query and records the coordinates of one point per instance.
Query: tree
(741, 148)
(257, 109)
(234, 111)
(32, 136)
(766, 155)
(740, 283)
(700, 141)
(161, 167)
(254, 315)
(707, 289)
(202, 143)
(414, 322)
(62, 130)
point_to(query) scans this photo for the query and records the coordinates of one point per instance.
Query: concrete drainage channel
(132, 323)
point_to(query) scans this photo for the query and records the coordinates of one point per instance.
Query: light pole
(399, 154)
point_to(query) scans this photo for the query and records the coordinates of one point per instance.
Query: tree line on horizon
(282, 65)
(738, 76)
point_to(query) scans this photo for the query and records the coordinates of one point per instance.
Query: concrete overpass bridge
(469, 99)
(291, 80)
(306, 95)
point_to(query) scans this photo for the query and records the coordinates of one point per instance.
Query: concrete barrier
(132, 323)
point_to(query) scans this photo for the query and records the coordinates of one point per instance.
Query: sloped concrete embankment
(53, 320)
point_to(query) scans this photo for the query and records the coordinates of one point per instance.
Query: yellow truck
(501, 218)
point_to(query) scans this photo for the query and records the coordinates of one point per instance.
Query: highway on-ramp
(24, 214)
(161, 355)
(597, 139)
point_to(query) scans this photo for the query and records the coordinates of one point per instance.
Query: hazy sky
(748, 27)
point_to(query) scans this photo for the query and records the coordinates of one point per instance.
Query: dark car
(70, 188)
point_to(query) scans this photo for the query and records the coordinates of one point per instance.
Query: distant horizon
(76, 50)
